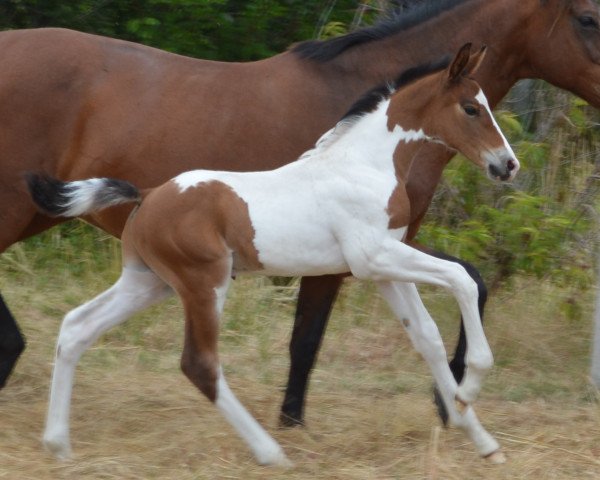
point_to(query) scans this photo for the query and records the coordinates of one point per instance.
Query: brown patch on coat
(201, 224)
(398, 208)
(190, 239)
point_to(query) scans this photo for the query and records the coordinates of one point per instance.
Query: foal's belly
(304, 262)
(295, 239)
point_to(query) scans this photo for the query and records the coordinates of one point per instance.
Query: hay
(369, 415)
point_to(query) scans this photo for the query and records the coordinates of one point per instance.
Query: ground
(369, 412)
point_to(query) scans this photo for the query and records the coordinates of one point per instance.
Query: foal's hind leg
(203, 302)
(134, 291)
(406, 303)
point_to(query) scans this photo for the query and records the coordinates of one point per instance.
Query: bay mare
(341, 207)
(77, 106)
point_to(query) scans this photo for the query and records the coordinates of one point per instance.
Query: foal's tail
(72, 199)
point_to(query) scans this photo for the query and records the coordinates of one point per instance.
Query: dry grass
(369, 414)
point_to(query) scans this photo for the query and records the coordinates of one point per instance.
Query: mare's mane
(370, 101)
(323, 51)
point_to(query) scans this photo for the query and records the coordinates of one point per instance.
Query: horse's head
(562, 39)
(450, 108)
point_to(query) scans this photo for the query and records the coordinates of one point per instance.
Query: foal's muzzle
(503, 168)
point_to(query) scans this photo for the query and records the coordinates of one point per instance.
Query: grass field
(369, 414)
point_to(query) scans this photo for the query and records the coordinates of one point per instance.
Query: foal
(341, 207)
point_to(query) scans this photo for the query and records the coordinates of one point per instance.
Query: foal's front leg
(457, 364)
(406, 304)
(391, 260)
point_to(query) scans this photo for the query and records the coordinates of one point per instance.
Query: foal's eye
(471, 110)
(587, 21)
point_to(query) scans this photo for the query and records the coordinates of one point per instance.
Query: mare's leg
(457, 364)
(134, 291)
(315, 301)
(406, 304)
(12, 343)
(16, 223)
(203, 303)
(396, 261)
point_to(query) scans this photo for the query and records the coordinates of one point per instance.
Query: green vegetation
(231, 30)
(545, 224)
(369, 409)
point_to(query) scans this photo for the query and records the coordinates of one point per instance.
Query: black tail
(72, 199)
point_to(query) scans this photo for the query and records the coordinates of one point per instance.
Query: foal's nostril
(494, 171)
(511, 165)
(499, 174)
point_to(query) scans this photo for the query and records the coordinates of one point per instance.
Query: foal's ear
(475, 61)
(458, 65)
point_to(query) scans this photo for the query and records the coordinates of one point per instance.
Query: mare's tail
(72, 199)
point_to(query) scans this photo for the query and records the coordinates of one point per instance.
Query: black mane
(323, 51)
(369, 101)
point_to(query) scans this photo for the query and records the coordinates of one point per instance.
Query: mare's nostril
(511, 165)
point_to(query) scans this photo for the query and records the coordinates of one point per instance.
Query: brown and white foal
(341, 207)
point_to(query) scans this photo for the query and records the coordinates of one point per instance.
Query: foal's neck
(404, 155)
(374, 139)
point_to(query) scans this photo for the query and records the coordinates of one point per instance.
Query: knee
(481, 361)
(202, 371)
(463, 283)
(482, 290)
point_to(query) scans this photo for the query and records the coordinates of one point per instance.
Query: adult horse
(77, 105)
(215, 225)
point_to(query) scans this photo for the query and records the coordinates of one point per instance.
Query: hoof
(61, 449)
(287, 421)
(284, 463)
(460, 405)
(278, 459)
(496, 458)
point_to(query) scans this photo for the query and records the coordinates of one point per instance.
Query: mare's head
(562, 39)
(449, 107)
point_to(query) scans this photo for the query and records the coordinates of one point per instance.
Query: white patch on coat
(266, 450)
(221, 291)
(507, 151)
(135, 290)
(297, 234)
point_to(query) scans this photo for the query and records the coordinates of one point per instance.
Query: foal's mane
(370, 100)
(323, 51)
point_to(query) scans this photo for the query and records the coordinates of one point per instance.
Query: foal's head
(450, 108)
